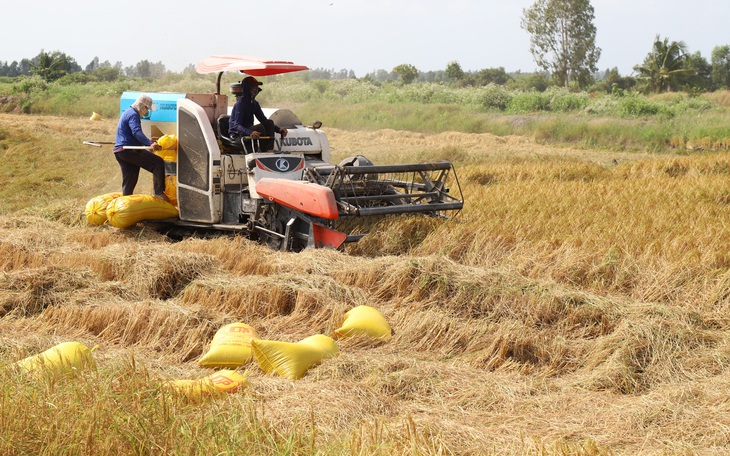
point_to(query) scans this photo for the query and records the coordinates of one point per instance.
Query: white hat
(143, 100)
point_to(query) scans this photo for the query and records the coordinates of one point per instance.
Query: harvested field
(578, 305)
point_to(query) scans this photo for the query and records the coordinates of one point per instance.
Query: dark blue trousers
(130, 161)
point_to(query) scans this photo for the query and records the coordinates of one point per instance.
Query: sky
(359, 35)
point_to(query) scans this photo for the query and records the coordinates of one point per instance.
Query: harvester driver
(240, 125)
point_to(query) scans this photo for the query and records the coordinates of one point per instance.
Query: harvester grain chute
(294, 197)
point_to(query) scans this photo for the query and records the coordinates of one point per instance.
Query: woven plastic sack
(64, 358)
(167, 142)
(219, 383)
(171, 188)
(293, 359)
(169, 155)
(364, 321)
(230, 347)
(96, 208)
(125, 211)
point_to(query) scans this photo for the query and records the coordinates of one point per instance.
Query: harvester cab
(294, 197)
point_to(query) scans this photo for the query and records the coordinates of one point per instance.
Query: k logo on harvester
(276, 164)
(282, 164)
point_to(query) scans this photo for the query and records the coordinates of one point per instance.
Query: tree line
(562, 43)
(55, 65)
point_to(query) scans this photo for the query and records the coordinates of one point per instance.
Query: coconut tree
(52, 66)
(665, 67)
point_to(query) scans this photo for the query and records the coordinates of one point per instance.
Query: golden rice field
(578, 305)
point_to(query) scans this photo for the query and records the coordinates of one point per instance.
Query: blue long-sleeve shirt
(129, 131)
(242, 116)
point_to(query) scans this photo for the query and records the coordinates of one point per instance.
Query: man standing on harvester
(130, 134)
(241, 122)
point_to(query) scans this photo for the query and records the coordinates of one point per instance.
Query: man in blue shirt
(129, 133)
(241, 122)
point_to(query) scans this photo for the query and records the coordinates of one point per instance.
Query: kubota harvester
(292, 198)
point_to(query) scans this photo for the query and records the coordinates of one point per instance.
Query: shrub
(493, 97)
(564, 101)
(637, 106)
(76, 78)
(605, 105)
(527, 102)
(30, 85)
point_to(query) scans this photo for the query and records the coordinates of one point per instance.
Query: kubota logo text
(298, 141)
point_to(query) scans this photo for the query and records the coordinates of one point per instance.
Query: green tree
(146, 69)
(538, 82)
(563, 39)
(492, 76)
(108, 74)
(52, 66)
(25, 67)
(93, 65)
(454, 71)
(613, 83)
(665, 68)
(721, 67)
(406, 72)
(699, 76)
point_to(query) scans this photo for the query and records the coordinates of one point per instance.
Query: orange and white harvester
(292, 198)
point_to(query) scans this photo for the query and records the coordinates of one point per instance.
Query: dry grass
(577, 306)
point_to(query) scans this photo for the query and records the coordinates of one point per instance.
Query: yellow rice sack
(64, 358)
(125, 211)
(293, 359)
(171, 188)
(221, 382)
(167, 142)
(169, 155)
(230, 348)
(364, 321)
(96, 208)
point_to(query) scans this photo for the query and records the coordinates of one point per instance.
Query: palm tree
(665, 67)
(52, 66)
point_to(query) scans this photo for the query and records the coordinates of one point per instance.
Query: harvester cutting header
(291, 197)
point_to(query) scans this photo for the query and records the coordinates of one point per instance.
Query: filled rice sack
(364, 321)
(127, 210)
(171, 188)
(64, 358)
(169, 155)
(293, 359)
(96, 208)
(230, 347)
(167, 142)
(218, 383)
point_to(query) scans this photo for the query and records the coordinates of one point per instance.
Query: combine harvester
(290, 199)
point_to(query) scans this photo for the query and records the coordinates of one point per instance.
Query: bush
(603, 105)
(494, 97)
(527, 102)
(76, 78)
(30, 85)
(564, 101)
(637, 106)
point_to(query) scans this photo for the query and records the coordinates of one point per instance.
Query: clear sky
(359, 35)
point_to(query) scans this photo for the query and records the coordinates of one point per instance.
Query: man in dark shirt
(129, 133)
(241, 122)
